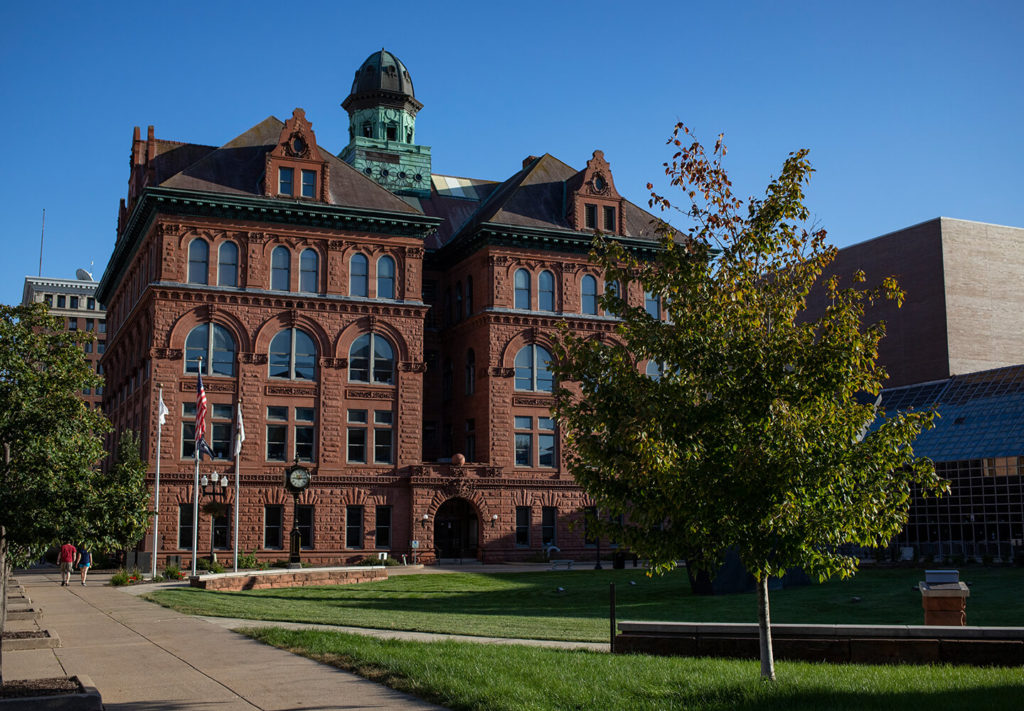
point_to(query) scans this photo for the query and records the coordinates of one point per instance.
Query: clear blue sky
(911, 110)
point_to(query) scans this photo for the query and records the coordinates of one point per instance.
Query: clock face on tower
(298, 478)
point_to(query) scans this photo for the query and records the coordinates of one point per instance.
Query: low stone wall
(859, 644)
(288, 578)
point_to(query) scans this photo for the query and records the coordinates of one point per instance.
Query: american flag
(200, 413)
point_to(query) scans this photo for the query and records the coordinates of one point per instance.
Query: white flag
(239, 431)
(163, 411)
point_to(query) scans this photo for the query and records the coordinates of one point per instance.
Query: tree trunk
(764, 624)
(3, 596)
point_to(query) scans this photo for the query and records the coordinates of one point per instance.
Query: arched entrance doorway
(456, 529)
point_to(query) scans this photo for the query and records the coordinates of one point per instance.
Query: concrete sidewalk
(144, 657)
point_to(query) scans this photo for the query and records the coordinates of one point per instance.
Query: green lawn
(530, 605)
(467, 676)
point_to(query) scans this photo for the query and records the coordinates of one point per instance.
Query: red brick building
(387, 326)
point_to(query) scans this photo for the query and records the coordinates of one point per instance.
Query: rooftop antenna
(42, 233)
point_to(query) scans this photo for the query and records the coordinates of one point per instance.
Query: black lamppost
(296, 479)
(215, 486)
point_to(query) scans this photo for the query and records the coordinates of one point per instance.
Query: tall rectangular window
(308, 183)
(382, 437)
(383, 535)
(590, 212)
(72, 324)
(273, 526)
(589, 537)
(74, 302)
(285, 178)
(470, 447)
(102, 326)
(92, 304)
(546, 442)
(522, 525)
(305, 433)
(185, 526)
(188, 430)
(524, 441)
(357, 436)
(353, 526)
(61, 301)
(220, 440)
(652, 304)
(222, 529)
(304, 514)
(609, 219)
(277, 433)
(89, 324)
(548, 525)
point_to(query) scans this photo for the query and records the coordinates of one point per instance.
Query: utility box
(944, 598)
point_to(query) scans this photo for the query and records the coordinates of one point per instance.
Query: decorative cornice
(170, 201)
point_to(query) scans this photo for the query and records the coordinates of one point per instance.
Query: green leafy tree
(754, 433)
(120, 508)
(50, 440)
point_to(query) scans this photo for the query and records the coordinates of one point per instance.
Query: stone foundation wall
(263, 579)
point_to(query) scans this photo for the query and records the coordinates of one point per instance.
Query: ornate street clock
(297, 479)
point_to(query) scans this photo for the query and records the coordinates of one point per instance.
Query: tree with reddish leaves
(757, 429)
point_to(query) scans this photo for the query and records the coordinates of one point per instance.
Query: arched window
(652, 303)
(653, 370)
(293, 355)
(522, 286)
(546, 291)
(198, 261)
(612, 288)
(358, 274)
(308, 271)
(532, 371)
(588, 289)
(216, 346)
(280, 269)
(469, 296)
(227, 264)
(371, 359)
(458, 301)
(385, 278)
(470, 371)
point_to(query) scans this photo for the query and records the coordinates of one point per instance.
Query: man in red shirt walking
(66, 559)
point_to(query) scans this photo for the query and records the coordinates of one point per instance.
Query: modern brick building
(385, 325)
(74, 303)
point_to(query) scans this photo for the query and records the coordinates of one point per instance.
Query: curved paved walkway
(144, 657)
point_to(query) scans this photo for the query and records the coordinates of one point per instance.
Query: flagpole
(195, 492)
(156, 487)
(238, 477)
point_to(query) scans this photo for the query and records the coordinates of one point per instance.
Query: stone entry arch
(456, 529)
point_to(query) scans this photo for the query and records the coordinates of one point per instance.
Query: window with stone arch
(371, 359)
(653, 370)
(469, 296)
(215, 345)
(522, 289)
(280, 269)
(532, 372)
(470, 372)
(385, 278)
(198, 261)
(358, 275)
(227, 264)
(458, 301)
(588, 295)
(293, 355)
(546, 291)
(309, 267)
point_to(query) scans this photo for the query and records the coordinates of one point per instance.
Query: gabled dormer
(295, 168)
(593, 203)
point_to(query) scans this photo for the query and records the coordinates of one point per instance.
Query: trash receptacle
(619, 560)
(944, 598)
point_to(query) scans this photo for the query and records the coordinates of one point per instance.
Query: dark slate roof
(533, 198)
(237, 168)
(981, 414)
(382, 71)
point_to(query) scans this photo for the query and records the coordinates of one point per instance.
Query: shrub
(211, 566)
(119, 578)
(986, 559)
(374, 560)
(173, 572)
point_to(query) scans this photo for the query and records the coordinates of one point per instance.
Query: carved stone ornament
(167, 353)
(459, 488)
(253, 358)
(371, 322)
(258, 237)
(525, 401)
(412, 366)
(296, 146)
(338, 245)
(499, 372)
(292, 317)
(170, 228)
(353, 394)
(599, 184)
(301, 390)
(339, 363)
(414, 252)
(498, 260)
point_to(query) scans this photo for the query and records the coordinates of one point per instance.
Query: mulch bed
(25, 635)
(40, 687)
